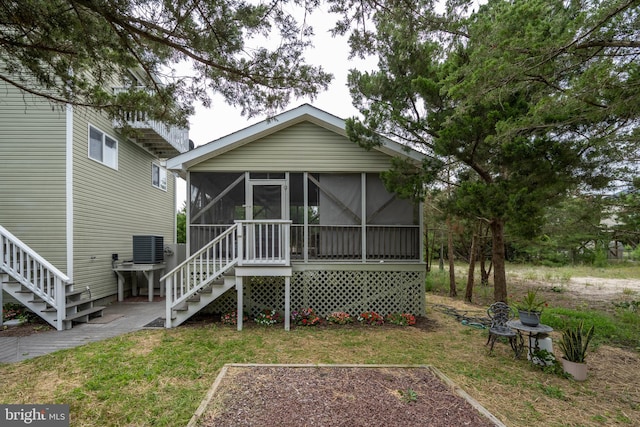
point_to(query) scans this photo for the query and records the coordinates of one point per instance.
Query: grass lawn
(159, 377)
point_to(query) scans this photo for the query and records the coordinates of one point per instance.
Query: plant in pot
(530, 308)
(574, 344)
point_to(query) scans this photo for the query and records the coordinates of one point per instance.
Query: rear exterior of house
(74, 191)
(319, 229)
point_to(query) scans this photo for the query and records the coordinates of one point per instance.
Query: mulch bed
(337, 396)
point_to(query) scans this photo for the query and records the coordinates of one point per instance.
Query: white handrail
(200, 269)
(33, 271)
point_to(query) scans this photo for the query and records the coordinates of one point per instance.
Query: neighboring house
(73, 192)
(289, 214)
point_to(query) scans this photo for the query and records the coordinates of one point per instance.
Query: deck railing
(345, 242)
(200, 269)
(334, 242)
(34, 272)
(264, 242)
(177, 137)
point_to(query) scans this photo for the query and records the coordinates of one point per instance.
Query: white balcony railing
(264, 242)
(177, 137)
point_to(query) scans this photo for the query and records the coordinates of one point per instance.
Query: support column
(287, 303)
(239, 290)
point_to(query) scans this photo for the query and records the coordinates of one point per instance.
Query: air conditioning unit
(148, 249)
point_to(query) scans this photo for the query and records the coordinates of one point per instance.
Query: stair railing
(200, 269)
(34, 272)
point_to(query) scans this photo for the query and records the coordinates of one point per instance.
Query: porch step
(85, 312)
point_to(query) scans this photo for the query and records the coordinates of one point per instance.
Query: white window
(103, 148)
(158, 177)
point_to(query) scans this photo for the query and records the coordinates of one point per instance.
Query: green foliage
(409, 395)
(516, 110)
(181, 225)
(530, 302)
(74, 52)
(575, 342)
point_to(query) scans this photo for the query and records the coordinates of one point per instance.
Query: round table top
(540, 329)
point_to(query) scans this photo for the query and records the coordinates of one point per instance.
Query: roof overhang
(303, 113)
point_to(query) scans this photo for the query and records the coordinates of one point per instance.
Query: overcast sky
(208, 124)
(332, 53)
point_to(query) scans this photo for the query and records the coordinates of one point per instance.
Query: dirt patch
(25, 329)
(338, 396)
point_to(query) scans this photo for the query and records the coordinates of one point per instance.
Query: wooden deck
(118, 318)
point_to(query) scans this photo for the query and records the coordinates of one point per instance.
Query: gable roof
(303, 113)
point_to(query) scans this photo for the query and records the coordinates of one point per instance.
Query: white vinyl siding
(32, 172)
(301, 147)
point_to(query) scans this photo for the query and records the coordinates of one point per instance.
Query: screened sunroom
(333, 215)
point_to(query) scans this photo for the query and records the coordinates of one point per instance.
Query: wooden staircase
(41, 287)
(201, 278)
(212, 270)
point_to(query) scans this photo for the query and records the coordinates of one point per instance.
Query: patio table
(535, 333)
(148, 271)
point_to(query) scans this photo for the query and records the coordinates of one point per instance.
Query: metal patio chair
(500, 313)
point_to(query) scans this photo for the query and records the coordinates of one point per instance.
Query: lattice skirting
(326, 291)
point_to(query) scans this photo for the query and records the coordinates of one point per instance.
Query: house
(289, 213)
(73, 192)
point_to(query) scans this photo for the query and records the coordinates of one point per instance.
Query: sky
(208, 124)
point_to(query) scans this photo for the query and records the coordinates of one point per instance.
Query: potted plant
(574, 344)
(530, 308)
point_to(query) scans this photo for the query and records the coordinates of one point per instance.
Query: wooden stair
(202, 298)
(79, 308)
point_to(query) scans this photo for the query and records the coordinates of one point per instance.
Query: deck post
(240, 303)
(169, 301)
(287, 303)
(61, 304)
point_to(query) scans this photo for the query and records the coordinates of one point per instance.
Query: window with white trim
(158, 177)
(103, 148)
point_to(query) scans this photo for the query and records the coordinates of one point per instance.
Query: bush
(231, 318)
(401, 319)
(267, 317)
(339, 318)
(371, 318)
(305, 317)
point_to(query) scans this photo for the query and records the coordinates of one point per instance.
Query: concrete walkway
(118, 318)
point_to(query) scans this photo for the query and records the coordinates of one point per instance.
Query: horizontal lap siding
(32, 172)
(301, 147)
(110, 206)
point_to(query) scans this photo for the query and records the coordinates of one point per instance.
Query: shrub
(231, 318)
(370, 318)
(401, 319)
(12, 311)
(305, 317)
(267, 317)
(339, 318)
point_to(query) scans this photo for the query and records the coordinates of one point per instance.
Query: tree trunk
(452, 272)
(484, 272)
(498, 255)
(468, 294)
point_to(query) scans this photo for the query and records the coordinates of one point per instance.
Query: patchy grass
(159, 377)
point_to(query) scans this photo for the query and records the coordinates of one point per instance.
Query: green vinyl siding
(298, 148)
(32, 172)
(113, 205)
